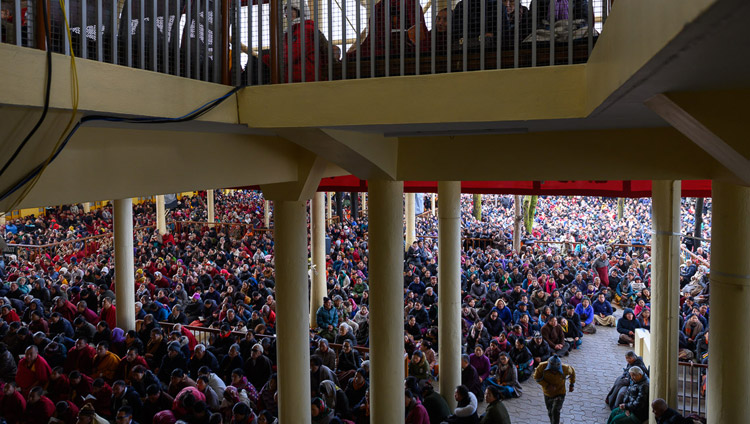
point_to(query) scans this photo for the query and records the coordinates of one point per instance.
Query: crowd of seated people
(60, 346)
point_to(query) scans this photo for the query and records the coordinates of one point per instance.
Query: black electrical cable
(46, 95)
(202, 110)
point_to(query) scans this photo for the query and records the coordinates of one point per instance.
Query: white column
(363, 204)
(124, 273)
(728, 368)
(411, 231)
(161, 217)
(290, 237)
(210, 205)
(267, 214)
(86, 207)
(318, 240)
(449, 288)
(386, 303)
(433, 203)
(329, 208)
(665, 290)
(517, 218)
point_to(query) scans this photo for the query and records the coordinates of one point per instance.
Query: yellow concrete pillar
(86, 207)
(411, 226)
(449, 285)
(329, 209)
(728, 390)
(386, 302)
(267, 214)
(665, 290)
(124, 274)
(364, 202)
(161, 216)
(290, 243)
(517, 218)
(432, 201)
(210, 205)
(318, 241)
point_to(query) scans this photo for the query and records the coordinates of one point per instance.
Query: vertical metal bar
(316, 39)
(303, 45)
(692, 386)
(534, 17)
(129, 34)
(142, 38)
(249, 66)
(605, 11)
(68, 47)
(197, 59)
(466, 35)
(343, 39)
(482, 30)
(449, 48)
(166, 26)
(115, 33)
(218, 28)
(99, 31)
(189, 29)
(330, 40)
(387, 27)
(17, 21)
(206, 24)
(177, 69)
(358, 41)
(570, 33)
(372, 30)
(552, 13)
(289, 59)
(590, 24)
(274, 26)
(499, 35)
(237, 43)
(260, 39)
(684, 378)
(84, 32)
(433, 37)
(154, 36)
(418, 31)
(516, 33)
(402, 36)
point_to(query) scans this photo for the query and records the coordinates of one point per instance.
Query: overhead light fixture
(451, 133)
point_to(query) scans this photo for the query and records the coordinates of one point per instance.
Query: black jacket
(636, 398)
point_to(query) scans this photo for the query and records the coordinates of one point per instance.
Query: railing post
(275, 43)
(225, 68)
(39, 33)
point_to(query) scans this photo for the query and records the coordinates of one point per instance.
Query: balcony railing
(276, 41)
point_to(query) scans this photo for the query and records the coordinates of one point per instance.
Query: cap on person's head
(175, 346)
(537, 335)
(259, 347)
(554, 364)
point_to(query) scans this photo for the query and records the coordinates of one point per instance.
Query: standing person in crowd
(551, 375)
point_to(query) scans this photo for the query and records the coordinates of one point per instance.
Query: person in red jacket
(8, 314)
(12, 403)
(33, 370)
(415, 411)
(39, 408)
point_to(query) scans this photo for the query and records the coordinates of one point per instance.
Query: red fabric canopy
(642, 188)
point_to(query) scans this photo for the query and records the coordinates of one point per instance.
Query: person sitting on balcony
(389, 21)
(560, 12)
(524, 22)
(469, 30)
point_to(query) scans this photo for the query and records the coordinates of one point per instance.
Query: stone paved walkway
(597, 362)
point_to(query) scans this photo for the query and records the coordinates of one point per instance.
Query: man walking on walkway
(551, 375)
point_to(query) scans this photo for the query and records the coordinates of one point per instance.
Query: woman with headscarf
(506, 378)
(334, 398)
(320, 413)
(521, 356)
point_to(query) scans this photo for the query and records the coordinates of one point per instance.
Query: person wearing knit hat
(551, 375)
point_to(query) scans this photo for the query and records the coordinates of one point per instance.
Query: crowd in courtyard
(62, 355)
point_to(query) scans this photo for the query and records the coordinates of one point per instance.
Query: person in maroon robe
(39, 408)
(59, 386)
(12, 403)
(80, 357)
(33, 370)
(108, 313)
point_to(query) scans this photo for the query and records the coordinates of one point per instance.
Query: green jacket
(496, 413)
(552, 382)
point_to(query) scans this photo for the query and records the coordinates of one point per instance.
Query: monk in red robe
(33, 370)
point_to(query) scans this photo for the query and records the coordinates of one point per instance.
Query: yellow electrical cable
(74, 92)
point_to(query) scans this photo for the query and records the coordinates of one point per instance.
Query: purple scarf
(561, 9)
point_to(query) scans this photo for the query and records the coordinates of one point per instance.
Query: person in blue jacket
(586, 312)
(626, 326)
(327, 318)
(503, 312)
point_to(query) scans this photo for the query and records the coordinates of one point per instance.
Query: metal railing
(691, 396)
(275, 41)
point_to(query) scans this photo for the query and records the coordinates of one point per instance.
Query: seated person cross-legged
(389, 21)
